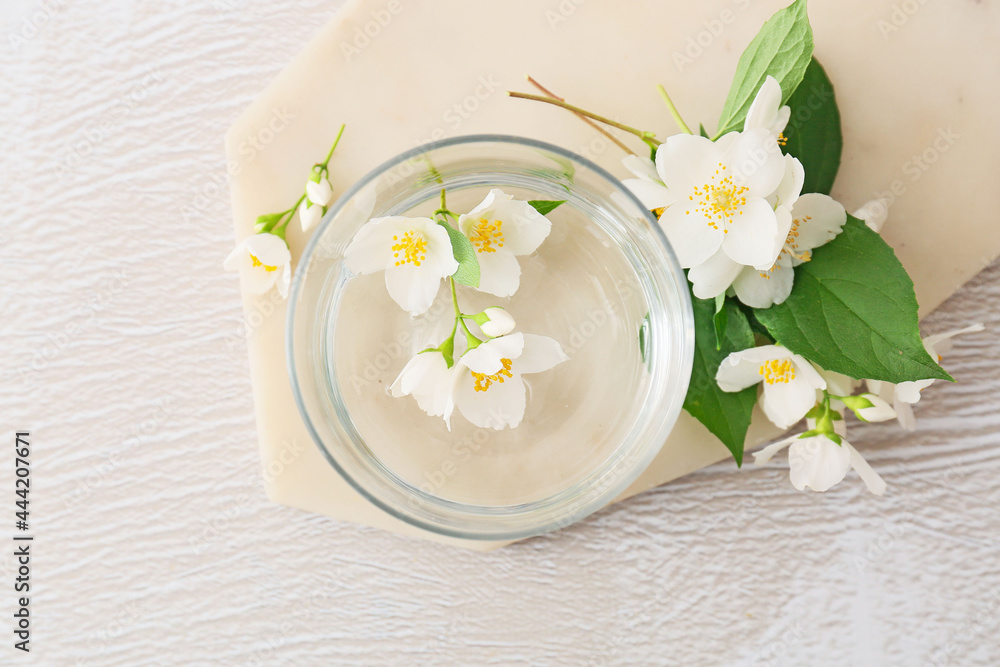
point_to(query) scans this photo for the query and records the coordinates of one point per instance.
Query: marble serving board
(914, 82)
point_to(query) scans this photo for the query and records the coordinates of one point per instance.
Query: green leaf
(465, 255)
(725, 414)
(544, 206)
(813, 132)
(720, 320)
(853, 311)
(759, 329)
(702, 131)
(781, 49)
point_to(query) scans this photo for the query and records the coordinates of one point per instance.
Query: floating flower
(816, 219)
(495, 322)
(319, 193)
(501, 228)
(819, 463)
(766, 111)
(309, 214)
(902, 396)
(428, 379)
(790, 382)
(489, 390)
(263, 261)
(415, 254)
(722, 190)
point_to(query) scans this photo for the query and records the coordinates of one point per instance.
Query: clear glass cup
(605, 284)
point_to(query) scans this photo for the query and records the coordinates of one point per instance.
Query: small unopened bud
(495, 322)
(309, 215)
(319, 193)
(874, 213)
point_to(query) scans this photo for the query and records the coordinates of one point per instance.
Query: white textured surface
(155, 544)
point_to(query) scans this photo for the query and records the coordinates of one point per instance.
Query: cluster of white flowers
(733, 209)
(819, 458)
(263, 259)
(734, 212)
(794, 388)
(483, 380)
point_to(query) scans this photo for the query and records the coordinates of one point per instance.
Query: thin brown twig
(648, 137)
(615, 140)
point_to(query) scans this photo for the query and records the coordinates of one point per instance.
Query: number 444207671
(23, 481)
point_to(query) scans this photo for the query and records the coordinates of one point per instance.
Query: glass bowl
(605, 284)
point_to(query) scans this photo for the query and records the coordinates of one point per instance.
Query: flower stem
(454, 299)
(673, 110)
(615, 140)
(648, 137)
(333, 148)
(444, 211)
(470, 338)
(283, 221)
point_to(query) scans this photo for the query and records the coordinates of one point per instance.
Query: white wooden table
(154, 543)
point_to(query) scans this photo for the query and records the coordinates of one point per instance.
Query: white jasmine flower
(320, 193)
(722, 190)
(819, 463)
(790, 382)
(263, 261)
(648, 187)
(309, 214)
(716, 275)
(766, 111)
(428, 379)
(790, 187)
(902, 396)
(495, 322)
(501, 228)
(489, 390)
(415, 254)
(816, 219)
(874, 213)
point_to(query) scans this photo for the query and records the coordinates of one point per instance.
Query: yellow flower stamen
(782, 139)
(484, 381)
(777, 370)
(719, 200)
(257, 262)
(412, 245)
(486, 235)
(659, 211)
